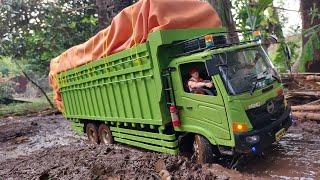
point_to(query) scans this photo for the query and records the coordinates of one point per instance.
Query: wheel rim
(196, 149)
(105, 137)
(92, 136)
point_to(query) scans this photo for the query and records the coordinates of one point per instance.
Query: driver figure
(196, 82)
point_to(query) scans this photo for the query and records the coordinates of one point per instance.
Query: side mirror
(272, 39)
(287, 52)
(212, 66)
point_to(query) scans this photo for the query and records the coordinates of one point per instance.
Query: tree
(107, 9)
(274, 26)
(223, 7)
(39, 30)
(250, 14)
(264, 16)
(310, 14)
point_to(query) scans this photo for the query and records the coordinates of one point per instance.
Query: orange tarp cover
(132, 26)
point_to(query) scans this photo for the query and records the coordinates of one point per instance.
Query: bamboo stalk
(306, 108)
(306, 93)
(306, 115)
(314, 102)
(312, 78)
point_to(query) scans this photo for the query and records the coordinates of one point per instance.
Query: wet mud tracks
(42, 147)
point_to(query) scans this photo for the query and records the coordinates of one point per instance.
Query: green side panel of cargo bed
(119, 87)
(126, 86)
(148, 140)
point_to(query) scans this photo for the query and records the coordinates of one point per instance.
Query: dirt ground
(44, 147)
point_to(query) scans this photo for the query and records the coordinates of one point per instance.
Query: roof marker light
(257, 36)
(209, 41)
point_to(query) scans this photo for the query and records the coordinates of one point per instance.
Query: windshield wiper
(223, 65)
(276, 78)
(256, 82)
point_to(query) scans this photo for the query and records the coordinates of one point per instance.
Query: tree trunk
(306, 108)
(34, 83)
(308, 22)
(223, 7)
(306, 116)
(107, 9)
(306, 93)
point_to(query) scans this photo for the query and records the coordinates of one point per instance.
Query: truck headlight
(252, 139)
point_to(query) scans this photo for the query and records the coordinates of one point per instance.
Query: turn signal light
(209, 41)
(208, 38)
(239, 127)
(256, 35)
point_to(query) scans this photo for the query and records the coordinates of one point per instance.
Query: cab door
(200, 113)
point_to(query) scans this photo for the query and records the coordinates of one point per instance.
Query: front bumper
(266, 134)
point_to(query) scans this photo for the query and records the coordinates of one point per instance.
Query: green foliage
(36, 105)
(6, 91)
(314, 13)
(281, 60)
(39, 30)
(250, 15)
(7, 67)
(310, 46)
(4, 71)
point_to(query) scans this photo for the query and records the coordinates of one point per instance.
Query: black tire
(105, 135)
(92, 133)
(202, 150)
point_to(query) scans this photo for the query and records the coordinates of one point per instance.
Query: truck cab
(244, 112)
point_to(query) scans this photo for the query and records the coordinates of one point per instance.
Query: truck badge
(254, 105)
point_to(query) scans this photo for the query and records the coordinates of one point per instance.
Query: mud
(295, 156)
(24, 135)
(44, 147)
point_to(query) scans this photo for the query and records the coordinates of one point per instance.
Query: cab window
(196, 80)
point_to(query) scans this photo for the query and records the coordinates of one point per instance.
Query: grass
(17, 109)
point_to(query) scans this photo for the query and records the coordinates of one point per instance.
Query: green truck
(141, 97)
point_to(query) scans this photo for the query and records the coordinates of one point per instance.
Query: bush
(6, 91)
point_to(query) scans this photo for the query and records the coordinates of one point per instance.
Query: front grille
(260, 117)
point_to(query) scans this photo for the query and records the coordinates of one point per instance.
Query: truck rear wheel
(202, 150)
(92, 133)
(105, 135)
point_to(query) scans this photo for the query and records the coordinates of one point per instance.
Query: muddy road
(296, 155)
(42, 147)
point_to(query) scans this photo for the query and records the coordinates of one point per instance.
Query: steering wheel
(207, 91)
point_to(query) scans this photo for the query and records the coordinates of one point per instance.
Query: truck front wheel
(105, 135)
(202, 150)
(92, 133)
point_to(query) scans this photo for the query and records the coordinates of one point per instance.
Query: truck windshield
(246, 70)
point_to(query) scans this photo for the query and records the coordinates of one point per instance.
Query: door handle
(189, 107)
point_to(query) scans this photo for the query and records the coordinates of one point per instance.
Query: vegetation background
(32, 32)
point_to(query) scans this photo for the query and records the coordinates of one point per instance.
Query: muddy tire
(202, 150)
(92, 133)
(105, 135)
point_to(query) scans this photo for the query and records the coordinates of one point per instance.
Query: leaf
(263, 4)
(72, 25)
